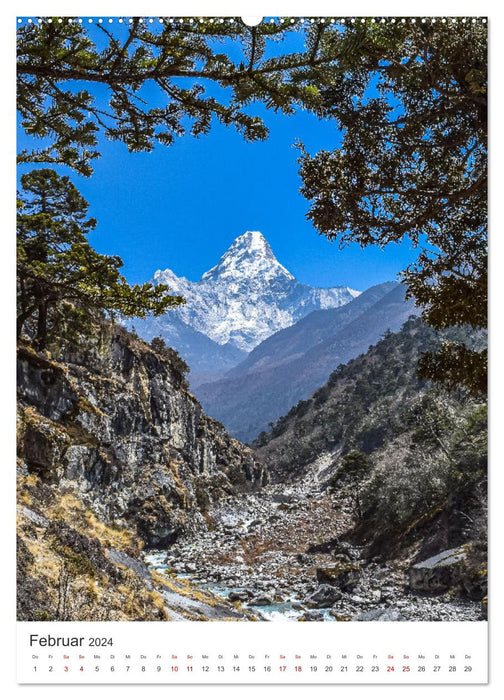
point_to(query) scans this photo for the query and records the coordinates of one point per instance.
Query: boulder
(285, 497)
(238, 596)
(439, 573)
(312, 616)
(387, 593)
(324, 597)
(260, 600)
(343, 574)
(380, 615)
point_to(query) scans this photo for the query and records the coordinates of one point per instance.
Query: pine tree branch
(252, 49)
(132, 35)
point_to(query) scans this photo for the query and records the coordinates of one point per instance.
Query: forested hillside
(406, 453)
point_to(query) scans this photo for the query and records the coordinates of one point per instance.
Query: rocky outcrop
(456, 568)
(437, 573)
(116, 421)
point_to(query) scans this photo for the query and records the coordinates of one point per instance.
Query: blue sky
(182, 206)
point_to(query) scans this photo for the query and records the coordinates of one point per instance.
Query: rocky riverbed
(280, 555)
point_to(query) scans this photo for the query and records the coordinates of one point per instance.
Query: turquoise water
(283, 611)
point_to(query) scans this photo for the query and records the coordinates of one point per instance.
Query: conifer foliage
(63, 283)
(411, 101)
(62, 68)
(60, 64)
(409, 97)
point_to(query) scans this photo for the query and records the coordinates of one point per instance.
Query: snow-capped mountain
(244, 299)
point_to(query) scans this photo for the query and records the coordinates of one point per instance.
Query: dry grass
(186, 588)
(254, 547)
(71, 509)
(90, 594)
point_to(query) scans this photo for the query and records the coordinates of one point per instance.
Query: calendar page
(251, 349)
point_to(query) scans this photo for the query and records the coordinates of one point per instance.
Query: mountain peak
(248, 256)
(246, 297)
(252, 240)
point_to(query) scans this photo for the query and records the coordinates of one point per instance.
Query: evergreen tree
(355, 468)
(63, 283)
(413, 163)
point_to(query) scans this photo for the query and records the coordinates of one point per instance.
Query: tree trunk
(41, 338)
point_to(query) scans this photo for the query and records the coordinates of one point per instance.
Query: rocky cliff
(112, 448)
(376, 510)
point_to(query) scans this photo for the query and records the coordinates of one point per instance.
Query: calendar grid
(263, 653)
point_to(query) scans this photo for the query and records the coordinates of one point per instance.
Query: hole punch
(252, 21)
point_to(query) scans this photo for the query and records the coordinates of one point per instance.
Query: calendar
(252, 350)
(201, 653)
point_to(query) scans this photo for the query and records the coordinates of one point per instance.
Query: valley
(369, 514)
(231, 441)
(257, 341)
(261, 555)
(365, 502)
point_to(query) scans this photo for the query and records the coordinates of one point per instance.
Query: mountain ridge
(246, 403)
(308, 331)
(245, 298)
